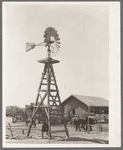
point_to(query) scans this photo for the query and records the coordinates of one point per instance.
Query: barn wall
(80, 111)
(74, 104)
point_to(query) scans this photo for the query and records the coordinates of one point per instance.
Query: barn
(79, 104)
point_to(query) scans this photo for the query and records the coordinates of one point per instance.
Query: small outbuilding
(79, 104)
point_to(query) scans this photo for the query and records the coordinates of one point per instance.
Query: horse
(77, 122)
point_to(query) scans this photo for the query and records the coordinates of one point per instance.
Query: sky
(84, 54)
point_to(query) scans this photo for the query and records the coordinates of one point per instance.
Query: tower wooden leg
(67, 133)
(49, 135)
(49, 130)
(42, 134)
(49, 125)
(29, 129)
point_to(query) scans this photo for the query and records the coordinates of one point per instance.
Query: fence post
(88, 119)
(10, 129)
(99, 119)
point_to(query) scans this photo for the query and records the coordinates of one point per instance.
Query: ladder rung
(51, 100)
(44, 84)
(42, 90)
(45, 78)
(52, 79)
(51, 90)
(54, 101)
(52, 83)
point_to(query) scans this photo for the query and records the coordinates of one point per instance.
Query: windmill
(48, 97)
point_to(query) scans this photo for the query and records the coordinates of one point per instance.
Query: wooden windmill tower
(48, 98)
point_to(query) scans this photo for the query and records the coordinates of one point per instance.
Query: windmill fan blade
(30, 46)
(58, 46)
(56, 51)
(58, 42)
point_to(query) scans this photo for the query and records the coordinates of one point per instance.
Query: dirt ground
(75, 137)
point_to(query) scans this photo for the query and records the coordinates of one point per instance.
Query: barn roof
(91, 100)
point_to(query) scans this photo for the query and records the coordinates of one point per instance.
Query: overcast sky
(84, 54)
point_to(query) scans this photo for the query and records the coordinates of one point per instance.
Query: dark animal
(44, 128)
(83, 123)
(77, 122)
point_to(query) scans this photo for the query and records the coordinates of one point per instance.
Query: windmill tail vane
(30, 46)
(51, 40)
